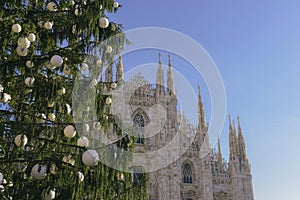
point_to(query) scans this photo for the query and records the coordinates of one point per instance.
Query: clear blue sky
(256, 46)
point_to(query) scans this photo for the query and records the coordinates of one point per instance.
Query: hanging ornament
(56, 61)
(80, 176)
(49, 194)
(1, 178)
(108, 49)
(108, 100)
(5, 98)
(103, 22)
(48, 25)
(51, 117)
(86, 128)
(29, 64)
(97, 125)
(98, 63)
(77, 11)
(16, 28)
(68, 159)
(68, 109)
(69, 131)
(66, 70)
(38, 171)
(101, 6)
(29, 81)
(61, 91)
(84, 67)
(113, 85)
(53, 168)
(41, 118)
(116, 4)
(31, 37)
(21, 51)
(52, 6)
(23, 42)
(51, 104)
(90, 158)
(83, 141)
(20, 140)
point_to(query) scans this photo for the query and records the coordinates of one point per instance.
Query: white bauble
(29, 64)
(29, 81)
(83, 141)
(52, 6)
(113, 85)
(101, 7)
(31, 37)
(68, 109)
(116, 4)
(41, 118)
(49, 195)
(56, 61)
(23, 42)
(21, 51)
(90, 157)
(84, 67)
(1, 178)
(86, 128)
(103, 22)
(97, 125)
(69, 131)
(80, 176)
(48, 25)
(5, 98)
(61, 91)
(16, 28)
(20, 140)
(108, 100)
(51, 117)
(108, 49)
(38, 171)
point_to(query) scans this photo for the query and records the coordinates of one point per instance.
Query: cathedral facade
(197, 174)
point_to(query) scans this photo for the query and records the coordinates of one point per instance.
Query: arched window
(139, 124)
(187, 174)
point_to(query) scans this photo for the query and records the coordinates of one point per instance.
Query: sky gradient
(256, 47)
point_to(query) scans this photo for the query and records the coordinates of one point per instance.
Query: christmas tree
(52, 57)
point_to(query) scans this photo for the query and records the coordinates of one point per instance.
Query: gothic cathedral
(192, 176)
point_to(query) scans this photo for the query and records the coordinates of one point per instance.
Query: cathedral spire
(120, 69)
(232, 140)
(170, 80)
(108, 73)
(201, 114)
(219, 158)
(159, 78)
(241, 142)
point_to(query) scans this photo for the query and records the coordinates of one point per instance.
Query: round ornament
(108, 100)
(49, 195)
(20, 140)
(5, 98)
(51, 117)
(68, 109)
(56, 61)
(80, 176)
(23, 42)
(90, 158)
(16, 28)
(29, 81)
(116, 4)
(29, 64)
(21, 51)
(103, 22)
(69, 131)
(31, 37)
(52, 6)
(38, 171)
(83, 141)
(48, 25)
(61, 91)
(113, 85)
